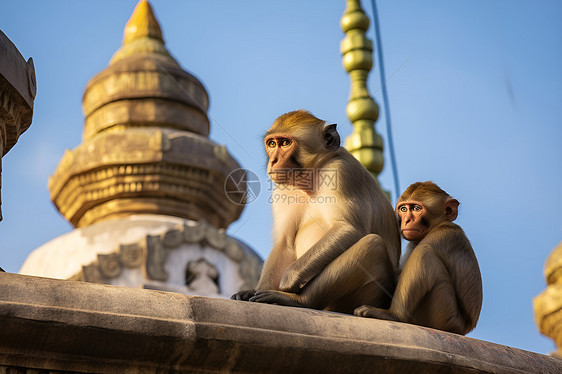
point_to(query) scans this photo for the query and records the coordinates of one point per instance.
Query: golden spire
(364, 143)
(142, 24)
(142, 35)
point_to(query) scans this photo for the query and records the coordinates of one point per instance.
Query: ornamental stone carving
(151, 254)
(17, 93)
(155, 258)
(132, 255)
(201, 276)
(110, 265)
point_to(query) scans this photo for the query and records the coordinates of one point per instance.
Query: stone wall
(57, 326)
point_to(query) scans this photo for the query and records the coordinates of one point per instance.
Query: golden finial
(142, 35)
(364, 143)
(142, 24)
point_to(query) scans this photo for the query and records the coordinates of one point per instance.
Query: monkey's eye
(403, 209)
(271, 144)
(285, 142)
(417, 208)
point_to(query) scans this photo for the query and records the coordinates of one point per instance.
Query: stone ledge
(61, 325)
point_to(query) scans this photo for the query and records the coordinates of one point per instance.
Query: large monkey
(336, 240)
(440, 284)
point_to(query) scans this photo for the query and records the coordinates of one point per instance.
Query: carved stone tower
(145, 147)
(146, 189)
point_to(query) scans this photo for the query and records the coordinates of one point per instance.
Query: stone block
(58, 325)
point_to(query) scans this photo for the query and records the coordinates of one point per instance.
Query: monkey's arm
(337, 240)
(274, 266)
(415, 281)
(420, 274)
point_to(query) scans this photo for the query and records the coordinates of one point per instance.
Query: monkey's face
(414, 223)
(283, 157)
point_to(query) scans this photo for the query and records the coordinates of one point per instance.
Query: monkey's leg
(440, 309)
(359, 275)
(424, 295)
(370, 311)
(277, 297)
(422, 272)
(414, 283)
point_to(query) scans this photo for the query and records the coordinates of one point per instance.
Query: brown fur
(440, 284)
(336, 247)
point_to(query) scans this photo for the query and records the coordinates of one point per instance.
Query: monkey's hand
(372, 312)
(290, 281)
(243, 295)
(276, 297)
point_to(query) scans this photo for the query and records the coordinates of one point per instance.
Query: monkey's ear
(331, 137)
(451, 209)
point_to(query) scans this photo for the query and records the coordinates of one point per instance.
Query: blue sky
(474, 88)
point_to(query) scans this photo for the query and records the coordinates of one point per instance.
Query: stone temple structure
(17, 93)
(149, 194)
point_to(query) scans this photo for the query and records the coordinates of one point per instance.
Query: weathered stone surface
(17, 93)
(83, 327)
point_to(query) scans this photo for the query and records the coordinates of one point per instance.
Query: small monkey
(336, 239)
(440, 284)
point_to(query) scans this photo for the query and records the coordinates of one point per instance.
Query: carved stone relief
(151, 254)
(202, 277)
(17, 95)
